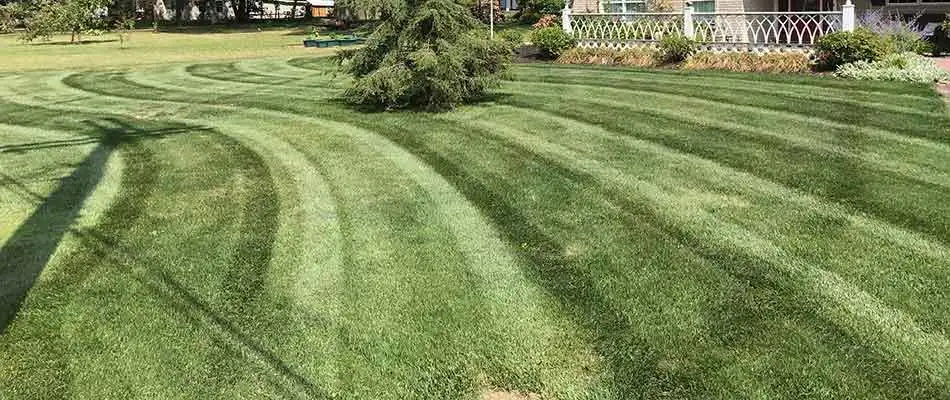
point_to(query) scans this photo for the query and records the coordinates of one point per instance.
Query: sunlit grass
(586, 233)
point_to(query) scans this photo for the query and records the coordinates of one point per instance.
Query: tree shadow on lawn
(28, 250)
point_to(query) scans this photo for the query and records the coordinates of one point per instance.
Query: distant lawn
(229, 230)
(146, 47)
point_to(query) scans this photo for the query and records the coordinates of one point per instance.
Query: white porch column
(566, 18)
(847, 16)
(688, 29)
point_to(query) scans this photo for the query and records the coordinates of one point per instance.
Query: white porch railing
(715, 30)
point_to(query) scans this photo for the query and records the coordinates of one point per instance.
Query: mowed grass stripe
(824, 174)
(640, 348)
(670, 310)
(192, 301)
(313, 286)
(789, 81)
(789, 121)
(510, 326)
(893, 332)
(779, 214)
(922, 104)
(931, 126)
(918, 161)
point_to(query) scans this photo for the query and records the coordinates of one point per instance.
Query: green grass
(189, 44)
(229, 230)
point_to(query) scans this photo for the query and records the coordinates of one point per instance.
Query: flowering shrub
(908, 67)
(901, 35)
(546, 21)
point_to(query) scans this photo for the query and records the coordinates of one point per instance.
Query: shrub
(676, 48)
(839, 48)
(908, 67)
(628, 57)
(513, 38)
(552, 41)
(751, 62)
(427, 56)
(546, 21)
(533, 10)
(900, 34)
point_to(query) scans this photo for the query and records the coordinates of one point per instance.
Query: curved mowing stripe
(749, 113)
(229, 72)
(247, 261)
(825, 137)
(770, 159)
(876, 88)
(865, 315)
(915, 105)
(933, 127)
(505, 287)
(458, 243)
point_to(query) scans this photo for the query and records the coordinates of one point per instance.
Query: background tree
(12, 15)
(533, 10)
(425, 54)
(75, 17)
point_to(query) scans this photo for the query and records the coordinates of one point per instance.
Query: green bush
(908, 67)
(906, 42)
(434, 57)
(552, 41)
(533, 10)
(676, 48)
(839, 48)
(512, 37)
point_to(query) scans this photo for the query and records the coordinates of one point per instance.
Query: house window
(624, 6)
(704, 6)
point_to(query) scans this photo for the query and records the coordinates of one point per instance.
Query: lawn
(228, 229)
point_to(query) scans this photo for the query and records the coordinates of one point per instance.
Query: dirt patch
(503, 395)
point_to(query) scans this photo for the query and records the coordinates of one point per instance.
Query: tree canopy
(423, 54)
(76, 17)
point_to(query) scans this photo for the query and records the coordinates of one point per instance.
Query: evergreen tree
(423, 54)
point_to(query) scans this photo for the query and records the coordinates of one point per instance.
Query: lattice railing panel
(797, 28)
(628, 27)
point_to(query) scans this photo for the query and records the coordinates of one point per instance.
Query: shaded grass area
(590, 233)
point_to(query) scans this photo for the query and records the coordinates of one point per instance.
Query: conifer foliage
(425, 54)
